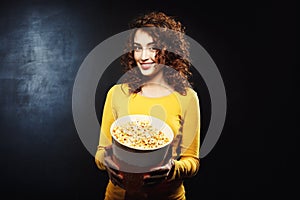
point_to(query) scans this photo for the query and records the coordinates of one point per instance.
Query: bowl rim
(136, 116)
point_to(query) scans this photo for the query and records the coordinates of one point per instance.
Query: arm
(188, 140)
(105, 137)
(189, 163)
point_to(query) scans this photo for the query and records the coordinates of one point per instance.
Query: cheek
(153, 56)
(136, 56)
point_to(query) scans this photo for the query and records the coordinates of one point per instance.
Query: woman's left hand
(159, 174)
(112, 168)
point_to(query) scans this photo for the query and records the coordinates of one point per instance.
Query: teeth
(147, 64)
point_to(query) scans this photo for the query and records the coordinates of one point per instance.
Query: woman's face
(144, 53)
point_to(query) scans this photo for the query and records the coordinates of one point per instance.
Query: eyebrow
(151, 43)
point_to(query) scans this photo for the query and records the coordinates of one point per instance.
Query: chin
(147, 72)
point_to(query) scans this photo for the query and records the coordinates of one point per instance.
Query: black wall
(43, 43)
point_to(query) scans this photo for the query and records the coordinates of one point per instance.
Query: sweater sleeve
(105, 137)
(188, 163)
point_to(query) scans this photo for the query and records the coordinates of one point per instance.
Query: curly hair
(172, 51)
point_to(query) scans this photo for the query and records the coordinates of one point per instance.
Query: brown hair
(172, 51)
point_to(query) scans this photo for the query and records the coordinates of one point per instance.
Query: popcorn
(139, 134)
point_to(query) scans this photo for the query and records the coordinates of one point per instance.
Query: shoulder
(193, 98)
(189, 100)
(119, 89)
(190, 94)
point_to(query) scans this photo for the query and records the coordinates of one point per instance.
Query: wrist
(171, 174)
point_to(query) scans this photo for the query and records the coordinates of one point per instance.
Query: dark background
(43, 43)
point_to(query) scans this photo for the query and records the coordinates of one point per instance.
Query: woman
(155, 83)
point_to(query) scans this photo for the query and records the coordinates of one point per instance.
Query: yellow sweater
(182, 113)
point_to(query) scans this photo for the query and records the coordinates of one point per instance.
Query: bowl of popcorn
(140, 142)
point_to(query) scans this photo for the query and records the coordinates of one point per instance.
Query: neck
(156, 86)
(156, 79)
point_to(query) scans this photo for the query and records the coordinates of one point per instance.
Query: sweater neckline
(153, 98)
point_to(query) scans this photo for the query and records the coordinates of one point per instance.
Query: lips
(146, 66)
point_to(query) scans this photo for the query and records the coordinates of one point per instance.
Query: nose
(145, 54)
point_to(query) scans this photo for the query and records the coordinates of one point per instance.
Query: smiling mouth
(146, 66)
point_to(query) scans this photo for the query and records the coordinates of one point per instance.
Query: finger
(159, 172)
(146, 176)
(153, 181)
(116, 181)
(115, 173)
(164, 167)
(162, 176)
(110, 163)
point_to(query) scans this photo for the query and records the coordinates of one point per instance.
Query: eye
(153, 48)
(137, 48)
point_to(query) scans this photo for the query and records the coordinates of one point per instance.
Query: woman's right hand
(112, 168)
